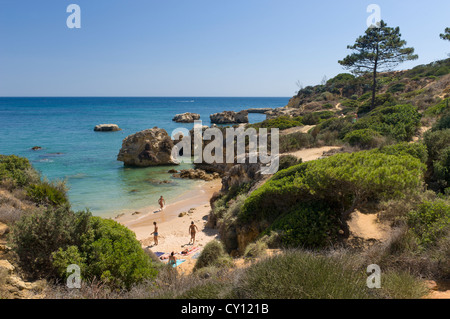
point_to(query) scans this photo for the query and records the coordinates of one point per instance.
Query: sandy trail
(366, 226)
(297, 129)
(311, 154)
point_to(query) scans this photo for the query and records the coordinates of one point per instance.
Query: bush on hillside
(48, 193)
(213, 254)
(108, 251)
(342, 182)
(399, 122)
(287, 161)
(18, 170)
(46, 243)
(417, 150)
(364, 138)
(295, 141)
(429, 222)
(438, 146)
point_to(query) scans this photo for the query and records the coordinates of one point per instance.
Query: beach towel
(189, 251)
(196, 256)
(179, 261)
(159, 253)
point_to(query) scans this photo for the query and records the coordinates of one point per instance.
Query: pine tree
(379, 49)
(446, 35)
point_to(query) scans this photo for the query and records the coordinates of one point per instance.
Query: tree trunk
(374, 78)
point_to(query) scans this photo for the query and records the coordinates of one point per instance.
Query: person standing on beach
(155, 234)
(192, 230)
(161, 202)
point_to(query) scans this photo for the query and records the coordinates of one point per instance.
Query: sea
(87, 160)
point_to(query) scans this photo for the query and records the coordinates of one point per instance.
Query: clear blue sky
(195, 47)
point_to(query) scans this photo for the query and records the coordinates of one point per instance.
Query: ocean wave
(191, 101)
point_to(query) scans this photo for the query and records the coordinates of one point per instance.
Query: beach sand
(173, 230)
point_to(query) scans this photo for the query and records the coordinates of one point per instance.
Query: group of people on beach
(192, 231)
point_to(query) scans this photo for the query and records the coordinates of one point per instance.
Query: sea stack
(229, 117)
(146, 148)
(107, 128)
(186, 117)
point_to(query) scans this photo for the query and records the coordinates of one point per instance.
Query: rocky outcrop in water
(186, 117)
(107, 128)
(150, 147)
(196, 174)
(229, 117)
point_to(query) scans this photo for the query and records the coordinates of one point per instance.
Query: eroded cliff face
(150, 147)
(186, 117)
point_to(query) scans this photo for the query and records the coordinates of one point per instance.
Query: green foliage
(443, 123)
(399, 122)
(255, 250)
(341, 181)
(439, 108)
(281, 122)
(213, 254)
(317, 117)
(446, 34)
(301, 275)
(287, 161)
(397, 87)
(429, 70)
(310, 226)
(417, 150)
(17, 169)
(364, 138)
(295, 141)
(36, 236)
(385, 99)
(48, 242)
(48, 193)
(429, 222)
(438, 146)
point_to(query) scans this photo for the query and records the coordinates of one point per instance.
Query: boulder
(186, 117)
(149, 147)
(107, 128)
(36, 148)
(196, 174)
(229, 117)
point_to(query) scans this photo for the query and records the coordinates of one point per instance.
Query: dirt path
(311, 154)
(366, 226)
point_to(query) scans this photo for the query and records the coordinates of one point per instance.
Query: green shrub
(48, 193)
(46, 243)
(109, 252)
(281, 122)
(399, 122)
(301, 275)
(385, 99)
(417, 150)
(398, 87)
(429, 221)
(316, 117)
(36, 236)
(17, 169)
(364, 138)
(341, 182)
(295, 141)
(438, 146)
(443, 123)
(287, 161)
(439, 108)
(307, 226)
(255, 250)
(213, 254)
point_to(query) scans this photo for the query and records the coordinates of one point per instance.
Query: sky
(196, 47)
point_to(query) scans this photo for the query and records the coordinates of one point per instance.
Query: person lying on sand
(161, 203)
(155, 234)
(192, 230)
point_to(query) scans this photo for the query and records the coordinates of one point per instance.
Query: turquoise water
(72, 151)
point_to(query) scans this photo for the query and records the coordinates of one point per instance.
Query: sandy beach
(173, 230)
